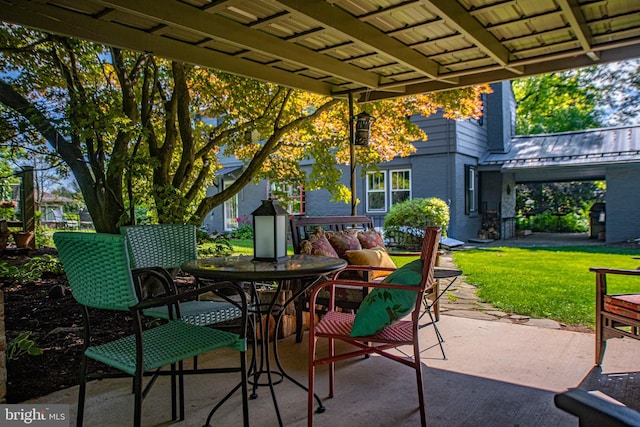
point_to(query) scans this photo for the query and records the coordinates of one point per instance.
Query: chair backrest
(303, 227)
(161, 245)
(428, 255)
(97, 268)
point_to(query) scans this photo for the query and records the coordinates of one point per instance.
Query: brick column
(3, 348)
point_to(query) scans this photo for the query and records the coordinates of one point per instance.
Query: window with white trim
(377, 191)
(290, 197)
(471, 193)
(230, 209)
(400, 186)
(385, 188)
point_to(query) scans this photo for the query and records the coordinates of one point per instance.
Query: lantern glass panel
(264, 235)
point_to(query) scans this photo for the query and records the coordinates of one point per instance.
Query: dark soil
(55, 322)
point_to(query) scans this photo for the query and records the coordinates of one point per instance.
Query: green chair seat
(187, 340)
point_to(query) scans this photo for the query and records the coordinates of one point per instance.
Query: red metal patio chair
(405, 286)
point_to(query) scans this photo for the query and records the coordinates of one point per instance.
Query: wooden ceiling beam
(61, 21)
(188, 18)
(579, 26)
(458, 18)
(365, 34)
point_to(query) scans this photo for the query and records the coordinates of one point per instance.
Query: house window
(377, 191)
(471, 193)
(290, 197)
(393, 185)
(400, 186)
(230, 209)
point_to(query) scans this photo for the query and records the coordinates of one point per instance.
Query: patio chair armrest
(360, 268)
(192, 294)
(605, 270)
(163, 276)
(592, 410)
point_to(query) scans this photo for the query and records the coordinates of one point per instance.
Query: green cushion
(382, 307)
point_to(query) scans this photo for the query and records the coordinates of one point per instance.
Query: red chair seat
(623, 305)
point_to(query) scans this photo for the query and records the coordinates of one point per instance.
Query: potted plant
(22, 238)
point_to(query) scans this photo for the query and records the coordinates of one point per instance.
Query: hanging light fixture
(269, 232)
(363, 128)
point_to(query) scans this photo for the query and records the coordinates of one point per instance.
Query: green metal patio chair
(165, 247)
(98, 270)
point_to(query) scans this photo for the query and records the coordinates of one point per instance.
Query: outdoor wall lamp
(363, 128)
(269, 232)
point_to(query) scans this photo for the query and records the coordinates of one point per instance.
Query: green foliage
(573, 222)
(31, 270)
(557, 207)
(22, 344)
(556, 102)
(244, 230)
(44, 237)
(546, 282)
(153, 131)
(406, 221)
(217, 245)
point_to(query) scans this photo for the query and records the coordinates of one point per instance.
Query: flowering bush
(244, 230)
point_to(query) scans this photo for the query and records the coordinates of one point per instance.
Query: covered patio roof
(373, 48)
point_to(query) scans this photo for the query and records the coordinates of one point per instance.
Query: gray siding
(623, 204)
(500, 116)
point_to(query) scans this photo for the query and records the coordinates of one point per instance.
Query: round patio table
(244, 268)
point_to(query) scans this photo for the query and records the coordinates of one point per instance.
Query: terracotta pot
(22, 238)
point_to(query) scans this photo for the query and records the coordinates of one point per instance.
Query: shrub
(216, 245)
(244, 231)
(406, 221)
(547, 222)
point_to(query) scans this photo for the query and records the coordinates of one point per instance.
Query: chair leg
(601, 346)
(332, 353)
(137, 385)
(174, 410)
(82, 392)
(245, 388)
(418, 367)
(312, 366)
(181, 388)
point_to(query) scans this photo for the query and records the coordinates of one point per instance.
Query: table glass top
(244, 267)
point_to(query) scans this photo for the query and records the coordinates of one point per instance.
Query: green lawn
(549, 282)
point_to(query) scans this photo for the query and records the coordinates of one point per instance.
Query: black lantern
(363, 128)
(269, 232)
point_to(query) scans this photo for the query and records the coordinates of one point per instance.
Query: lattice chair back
(161, 245)
(97, 267)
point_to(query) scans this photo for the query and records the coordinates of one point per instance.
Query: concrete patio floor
(496, 374)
